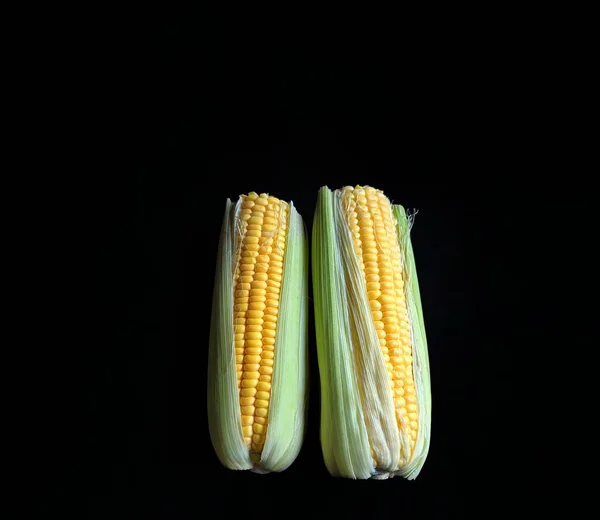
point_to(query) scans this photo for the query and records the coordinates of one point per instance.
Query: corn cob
(257, 377)
(371, 343)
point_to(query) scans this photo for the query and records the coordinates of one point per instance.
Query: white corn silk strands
(286, 419)
(372, 374)
(419, 346)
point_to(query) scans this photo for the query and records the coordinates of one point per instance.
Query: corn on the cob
(257, 378)
(372, 349)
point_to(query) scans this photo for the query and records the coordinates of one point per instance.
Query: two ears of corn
(371, 343)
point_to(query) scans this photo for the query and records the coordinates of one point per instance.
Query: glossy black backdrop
(203, 126)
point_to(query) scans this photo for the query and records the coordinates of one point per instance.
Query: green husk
(419, 342)
(290, 375)
(224, 419)
(344, 437)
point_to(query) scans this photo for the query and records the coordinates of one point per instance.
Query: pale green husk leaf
(287, 410)
(344, 434)
(224, 418)
(419, 342)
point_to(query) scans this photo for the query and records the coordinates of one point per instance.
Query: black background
(202, 120)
